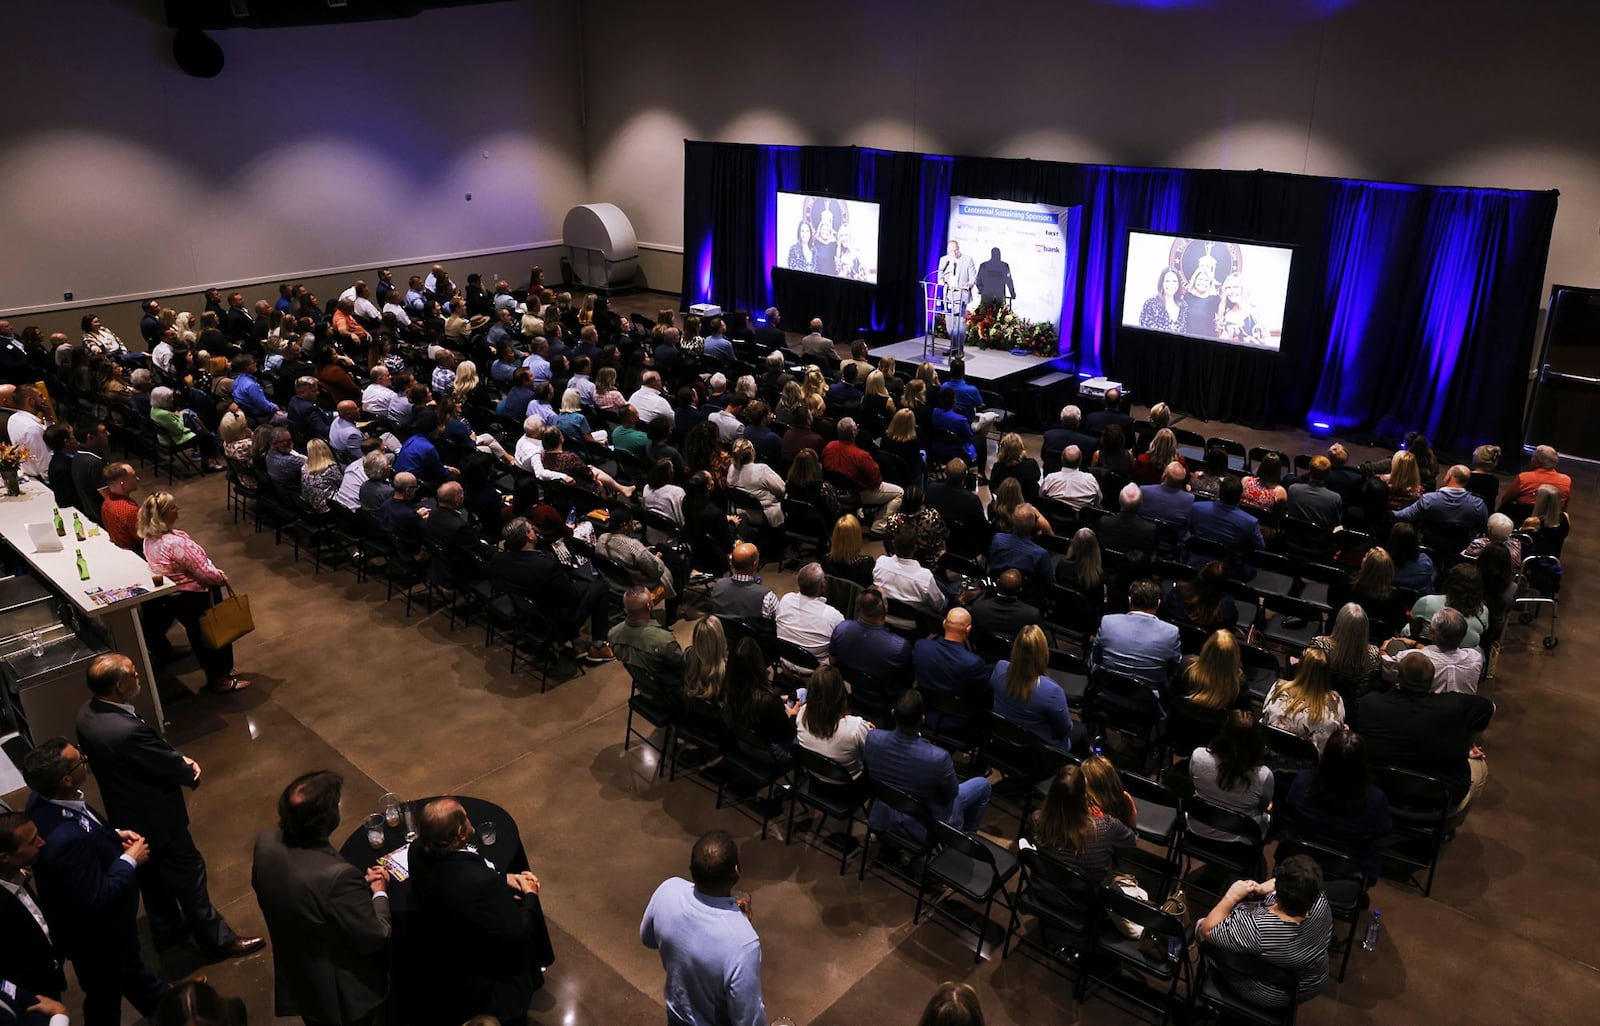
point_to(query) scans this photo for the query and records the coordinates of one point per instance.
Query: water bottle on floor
(1374, 929)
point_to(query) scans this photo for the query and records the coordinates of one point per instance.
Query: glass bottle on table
(61, 527)
(83, 565)
(77, 527)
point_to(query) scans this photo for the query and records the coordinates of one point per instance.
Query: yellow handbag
(226, 621)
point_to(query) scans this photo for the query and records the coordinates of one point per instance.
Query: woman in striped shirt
(1285, 920)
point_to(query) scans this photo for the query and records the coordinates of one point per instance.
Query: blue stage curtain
(1431, 299)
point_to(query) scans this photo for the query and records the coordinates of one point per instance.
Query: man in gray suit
(957, 273)
(328, 923)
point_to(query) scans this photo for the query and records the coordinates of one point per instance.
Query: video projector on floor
(1098, 387)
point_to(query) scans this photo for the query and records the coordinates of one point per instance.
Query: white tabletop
(110, 567)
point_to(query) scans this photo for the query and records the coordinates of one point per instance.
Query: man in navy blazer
(1226, 524)
(902, 759)
(947, 665)
(1170, 500)
(142, 779)
(1137, 644)
(86, 884)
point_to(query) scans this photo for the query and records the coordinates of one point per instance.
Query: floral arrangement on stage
(994, 326)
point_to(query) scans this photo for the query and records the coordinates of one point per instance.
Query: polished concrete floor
(344, 681)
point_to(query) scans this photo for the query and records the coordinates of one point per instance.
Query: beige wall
(1463, 92)
(322, 149)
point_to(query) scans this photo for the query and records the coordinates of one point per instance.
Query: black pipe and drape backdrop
(1410, 307)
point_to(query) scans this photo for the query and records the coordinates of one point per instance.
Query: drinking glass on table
(486, 832)
(391, 810)
(411, 823)
(375, 831)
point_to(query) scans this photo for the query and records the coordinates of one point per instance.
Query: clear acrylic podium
(937, 301)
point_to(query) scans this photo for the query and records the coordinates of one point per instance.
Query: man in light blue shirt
(344, 435)
(536, 362)
(709, 950)
(718, 347)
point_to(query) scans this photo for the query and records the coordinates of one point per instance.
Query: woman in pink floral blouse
(173, 553)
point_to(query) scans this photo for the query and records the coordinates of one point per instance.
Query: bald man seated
(741, 594)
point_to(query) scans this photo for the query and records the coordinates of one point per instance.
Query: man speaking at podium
(957, 273)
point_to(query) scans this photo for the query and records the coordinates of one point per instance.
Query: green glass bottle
(61, 528)
(83, 566)
(77, 526)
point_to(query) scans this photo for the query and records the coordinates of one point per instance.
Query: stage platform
(1032, 387)
(989, 365)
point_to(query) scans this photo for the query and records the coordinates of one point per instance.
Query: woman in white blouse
(1307, 705)
(760, 480)
(823, 724)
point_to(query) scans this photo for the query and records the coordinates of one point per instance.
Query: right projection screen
(1219, 290)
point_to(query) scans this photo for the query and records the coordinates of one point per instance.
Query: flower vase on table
(12, 457)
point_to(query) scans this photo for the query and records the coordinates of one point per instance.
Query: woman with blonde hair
(1006, 499)
(824, 723)
(877, 405)
(1152, 463)
(1308, 705)
(237, 441)
(320, 477)
(748, 474)
(1082, 567)
(467, 382)
(706, 660)
(790, 402)
(606, 396)
(1012, 461)
(845, 558)
(1403, 479)
(900, 440)
(895, 386)
(1025, 696)
(915, 399)
(1372, 588)
(586, 309)
(1215, 676)
(173, 554)
(928, 374)
(815, 384)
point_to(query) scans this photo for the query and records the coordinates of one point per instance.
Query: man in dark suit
(142, 779)
(1343, 478)
(1127, 531)
(1313, 500)
(401, 518)
(951, 498)
(902, 759)
(1226, 524)
(481, 932)
(452, 533)
(770, 336)
(1004, 614)
(329, 924)
(946, 664)
(569, 597)
(29, 956)
(87, 887)
(239, 325)
(1136, 643)
(1067, 431)
(1097, 422)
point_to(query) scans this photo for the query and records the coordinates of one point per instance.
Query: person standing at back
(329, 924)
(711, 953)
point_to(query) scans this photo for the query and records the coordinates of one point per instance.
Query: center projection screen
(1219, 290)
(1023, 252)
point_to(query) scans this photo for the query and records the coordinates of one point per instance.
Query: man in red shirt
(844, 457)
(119, 513)
(1541, 471)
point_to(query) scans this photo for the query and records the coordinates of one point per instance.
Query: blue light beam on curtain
(1118, 199)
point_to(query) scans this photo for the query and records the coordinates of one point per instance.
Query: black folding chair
(1344, 883)
(1066, 907)
(825, 787)
(1124, 952)
(1212, 990)
(973, 867)
(1224, 861)
(1419, 806)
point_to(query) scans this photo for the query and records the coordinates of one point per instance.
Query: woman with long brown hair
(1231, 772)
(1106, 794)
(824, 723)
(1067, 828)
